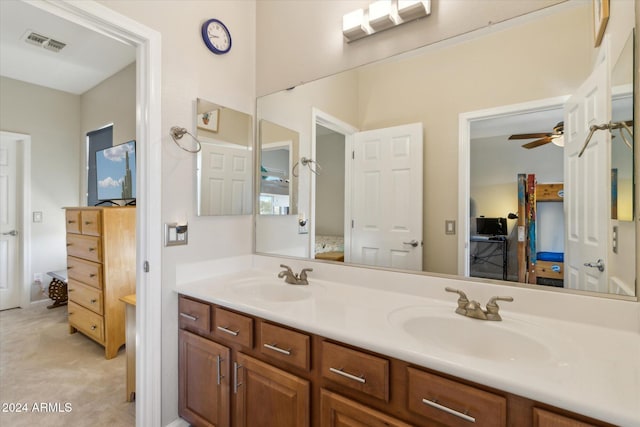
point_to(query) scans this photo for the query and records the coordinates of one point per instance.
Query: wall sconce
(382, 15)
(409, 10)
(355, 25)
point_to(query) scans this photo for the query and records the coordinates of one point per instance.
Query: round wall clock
(216, 36)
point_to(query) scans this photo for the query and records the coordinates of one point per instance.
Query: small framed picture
(209, 120)
(600, 19)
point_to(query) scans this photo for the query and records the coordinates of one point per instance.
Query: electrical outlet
(303, 227)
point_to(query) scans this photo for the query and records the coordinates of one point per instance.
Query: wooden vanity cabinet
(254, 372)
(204, 368)
(101, 267)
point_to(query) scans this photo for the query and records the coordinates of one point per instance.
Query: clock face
(216, 36)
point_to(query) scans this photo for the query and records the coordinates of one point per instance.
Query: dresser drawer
(452, 403)
(91, 222)
(355, 369)
(233, 327)
(87, 321)
(87, 272)
(286, 345)
(72, 221)
(87, 296)
(87, 247)
(194, 315)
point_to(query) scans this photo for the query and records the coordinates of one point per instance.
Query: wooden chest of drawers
(101, 264)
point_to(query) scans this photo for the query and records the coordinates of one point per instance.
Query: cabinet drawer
(355, 369)
(452, 403)
(336, 410)
(87, 272)
(91, 222)
(86, 321)
(72, 221)
(194, 315)
(233, 327)
(87, 296)
(87, 247)
(542, 418)
(286, 345)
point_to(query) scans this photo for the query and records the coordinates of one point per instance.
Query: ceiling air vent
(43, 41)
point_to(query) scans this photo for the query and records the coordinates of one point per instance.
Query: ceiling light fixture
(382, 15)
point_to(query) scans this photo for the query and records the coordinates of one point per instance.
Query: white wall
(308, 35)
(111, 101)
(52, 118)
(190, 71)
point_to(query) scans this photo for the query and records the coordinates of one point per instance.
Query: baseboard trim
(178, 423)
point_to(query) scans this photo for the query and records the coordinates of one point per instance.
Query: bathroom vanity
(253, 348)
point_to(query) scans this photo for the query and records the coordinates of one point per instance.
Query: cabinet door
(267, 396)
(338, 411)
(204, 381)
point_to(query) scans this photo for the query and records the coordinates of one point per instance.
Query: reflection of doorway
(484, 147)
(329, 224)
(339, 136)
(275, 179)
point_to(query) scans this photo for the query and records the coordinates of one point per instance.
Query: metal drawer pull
(219, 360)
(93, 301)
(93, 327)
(188, 316)
(361, 379)
(443, 408)
(236, 384)
(92, 249)
(92, 275)
(275, 347)
(229, 331)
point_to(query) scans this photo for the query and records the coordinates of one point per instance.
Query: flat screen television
(116, 173)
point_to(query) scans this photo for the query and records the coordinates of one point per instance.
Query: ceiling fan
(556, 136)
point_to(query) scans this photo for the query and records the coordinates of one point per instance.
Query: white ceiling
(86, 60)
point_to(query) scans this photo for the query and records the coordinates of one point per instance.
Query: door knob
(11, 233)
(599, 264)
(413, 243)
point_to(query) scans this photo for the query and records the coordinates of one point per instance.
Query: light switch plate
(175, 234)
(450, 226)
(37, 216)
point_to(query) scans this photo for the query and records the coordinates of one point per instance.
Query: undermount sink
(441, 328)
(271, 290)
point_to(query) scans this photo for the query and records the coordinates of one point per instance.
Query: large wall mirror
(358, 126)
(224, 171)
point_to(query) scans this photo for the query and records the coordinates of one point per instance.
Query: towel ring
(178, 132)
(307, 162)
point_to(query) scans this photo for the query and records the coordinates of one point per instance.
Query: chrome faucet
(474, 308)
(292, 278)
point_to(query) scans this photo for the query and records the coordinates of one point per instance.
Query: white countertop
(591, 370)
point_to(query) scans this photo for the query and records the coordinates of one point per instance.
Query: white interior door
(9, 285)
(387, 208)
(226, 180)
(587, 182)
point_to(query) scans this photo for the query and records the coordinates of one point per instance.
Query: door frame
(464, 162)
(147, 42)
(23, 142)
(319, 117)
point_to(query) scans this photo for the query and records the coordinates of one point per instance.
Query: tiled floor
(49, 377)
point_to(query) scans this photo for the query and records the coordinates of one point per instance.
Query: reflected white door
(387, 207)
(9, 286)
(226, 180)
(587, 182)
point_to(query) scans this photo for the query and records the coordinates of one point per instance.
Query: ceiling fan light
(558, 140)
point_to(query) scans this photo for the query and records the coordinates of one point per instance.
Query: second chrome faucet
(474, 309)
(292, 278)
